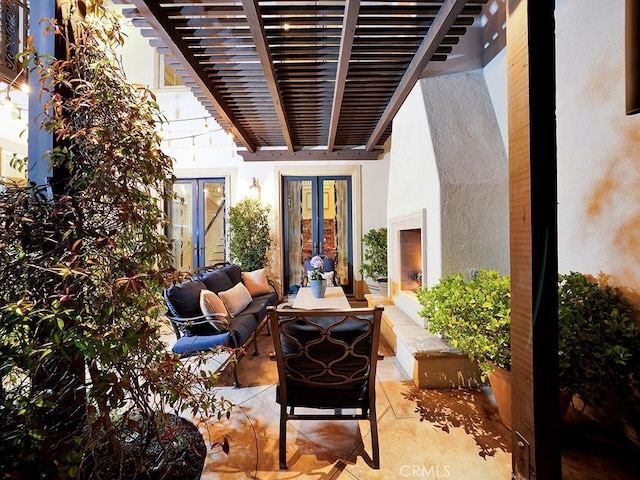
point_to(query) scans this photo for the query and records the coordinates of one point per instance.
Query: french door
(197, 222)
(317, 221)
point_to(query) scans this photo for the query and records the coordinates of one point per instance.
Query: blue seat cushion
(198, 343)
(242, 326)
(260, 303)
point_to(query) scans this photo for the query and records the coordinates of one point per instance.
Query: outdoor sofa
(220, 306)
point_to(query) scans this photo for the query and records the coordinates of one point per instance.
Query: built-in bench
(428, 359)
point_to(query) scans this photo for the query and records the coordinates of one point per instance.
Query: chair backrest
(326, 350)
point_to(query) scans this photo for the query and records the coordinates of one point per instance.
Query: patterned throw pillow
(256, 282)
(236, 299)
(210, 303)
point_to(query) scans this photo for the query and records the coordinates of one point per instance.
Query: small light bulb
(8, 104)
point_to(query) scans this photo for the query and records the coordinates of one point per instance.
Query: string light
(194, 135)
(206, 129)
(8, 103)
(13, 109)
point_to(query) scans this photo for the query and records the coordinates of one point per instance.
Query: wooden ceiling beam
(156, 17)
(283, 155)
(441, 25)
(252, 11)
(351, 12)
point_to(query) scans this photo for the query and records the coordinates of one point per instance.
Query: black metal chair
(326, 361)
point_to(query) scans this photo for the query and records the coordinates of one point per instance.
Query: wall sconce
(254, 189)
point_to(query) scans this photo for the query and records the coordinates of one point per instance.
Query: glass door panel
(198, 223)
(213, 246)
(181, 227)
(317, 221)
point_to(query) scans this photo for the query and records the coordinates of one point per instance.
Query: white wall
(413, 180)
(495, 74)
(598, 145)
(449, 158)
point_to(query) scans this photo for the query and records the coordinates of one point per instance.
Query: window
(167, 74)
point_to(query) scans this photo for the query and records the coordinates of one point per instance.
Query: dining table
(333, 299)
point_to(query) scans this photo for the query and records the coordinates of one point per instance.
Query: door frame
(353, 171)
(197, 182)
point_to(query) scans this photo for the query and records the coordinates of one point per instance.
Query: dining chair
(326, 363)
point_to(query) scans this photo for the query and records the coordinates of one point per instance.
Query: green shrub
(249, 234)
(375, 263)
(473, 314)
(598, 341)
(84, 263)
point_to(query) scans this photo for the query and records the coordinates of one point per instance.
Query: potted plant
(88, 388)
(375, 264)
(249, 234)
(599, 349)
(599, 344)
(317, 282)
(474, 315)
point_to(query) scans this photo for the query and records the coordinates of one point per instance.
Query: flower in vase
(317, 264)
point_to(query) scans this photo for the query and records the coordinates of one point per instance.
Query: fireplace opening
(410, 259)
(407, 255)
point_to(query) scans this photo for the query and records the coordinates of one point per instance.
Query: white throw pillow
(210, 304)
(236, 299)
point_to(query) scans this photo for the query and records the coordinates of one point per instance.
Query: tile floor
(433, 434)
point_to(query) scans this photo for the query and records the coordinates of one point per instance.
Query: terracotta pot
(500, 381)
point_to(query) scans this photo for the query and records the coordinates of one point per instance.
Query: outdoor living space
(451, 433)
(523, 160)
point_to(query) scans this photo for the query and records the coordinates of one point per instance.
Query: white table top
(334, 298)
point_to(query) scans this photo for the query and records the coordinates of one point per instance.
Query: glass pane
(339, 228)
(298, 231)
(214, 215)
(309, 247)
(181, 227)
(169, 77)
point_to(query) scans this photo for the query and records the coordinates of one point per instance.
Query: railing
(14, 27)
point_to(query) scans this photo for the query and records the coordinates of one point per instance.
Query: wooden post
(533, 245)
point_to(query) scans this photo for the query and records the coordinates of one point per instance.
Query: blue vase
(318, 288)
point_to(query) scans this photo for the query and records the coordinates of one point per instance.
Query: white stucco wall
(598, 145)
(413, 181)
(448, 157)
(495, 74)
